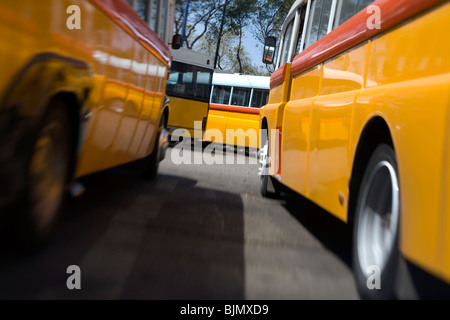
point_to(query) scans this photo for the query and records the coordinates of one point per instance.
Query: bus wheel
(267, 187)
(376, 227)
(47, 176)
(159, 152)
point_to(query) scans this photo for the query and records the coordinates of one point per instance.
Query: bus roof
(240, 80)
(191, 57)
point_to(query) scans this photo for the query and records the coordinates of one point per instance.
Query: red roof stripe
(123, 13)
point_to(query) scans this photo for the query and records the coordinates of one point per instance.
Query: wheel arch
(375, 132)
(166, 112)
(264, 126)
(45, 80)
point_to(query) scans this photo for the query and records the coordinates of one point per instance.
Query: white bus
(235, 104)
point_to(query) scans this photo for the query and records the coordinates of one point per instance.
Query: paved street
(196, 232)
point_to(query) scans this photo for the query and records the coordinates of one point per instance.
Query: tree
(201, 14)
(247, 65)
(261, 18)
(269, 18)
(208, 45)
(239, 17)
(227, 54)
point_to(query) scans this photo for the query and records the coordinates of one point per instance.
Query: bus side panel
(445, 209)
(276, 95)
(409, 86)
(160, 89)
(93, 43)
(32, 28)
(122, 50)
(185, 112)
(135, 100)
(297, 129)
(253, 124)
(273, 112)
(29, 28)
(60, 39)
(35, 28)
(217, 122)
(236, 121)
(149, 106)
(329, 165)
(418, 137)
(19, 37)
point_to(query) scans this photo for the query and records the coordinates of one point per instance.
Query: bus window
(173, 79)
(203, 85)
(362, 4)
(248, 94)
(221, 95)
(298, 48)
(241, 97)
(154, 21)
(189, 90)
(142, 9)
(286, 43)
(347, 9)
(319, 19)
(189, 81)
(260, 98)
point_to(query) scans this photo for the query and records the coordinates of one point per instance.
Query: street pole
(220, 33)
(183, 32)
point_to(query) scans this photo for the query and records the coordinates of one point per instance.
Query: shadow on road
(337, 237)
(164, 239)
(330, 231)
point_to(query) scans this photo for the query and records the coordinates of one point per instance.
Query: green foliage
(260, 18)
(268, 20)
(201, 14)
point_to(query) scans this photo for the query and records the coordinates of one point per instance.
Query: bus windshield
(189, 82)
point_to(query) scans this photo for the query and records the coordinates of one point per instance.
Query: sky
(254, 48)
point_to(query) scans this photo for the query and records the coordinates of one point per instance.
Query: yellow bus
(82, 90)
(236, 100)
(189, 88)
(359, 107)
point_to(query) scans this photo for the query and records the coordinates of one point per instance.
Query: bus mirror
(270, 44)
(176, 41)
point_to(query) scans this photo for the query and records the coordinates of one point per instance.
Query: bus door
(189, 92)
(297, 117)
(280, 86)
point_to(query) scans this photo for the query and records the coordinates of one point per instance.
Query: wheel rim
(378, 218)
(264, 160)
(47, 173)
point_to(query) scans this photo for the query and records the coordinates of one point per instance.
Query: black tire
(268, 187)
(47, 176)
(159, 151)
(205, 144)
(377, 207)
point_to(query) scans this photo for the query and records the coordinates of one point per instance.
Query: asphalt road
(197, 231)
